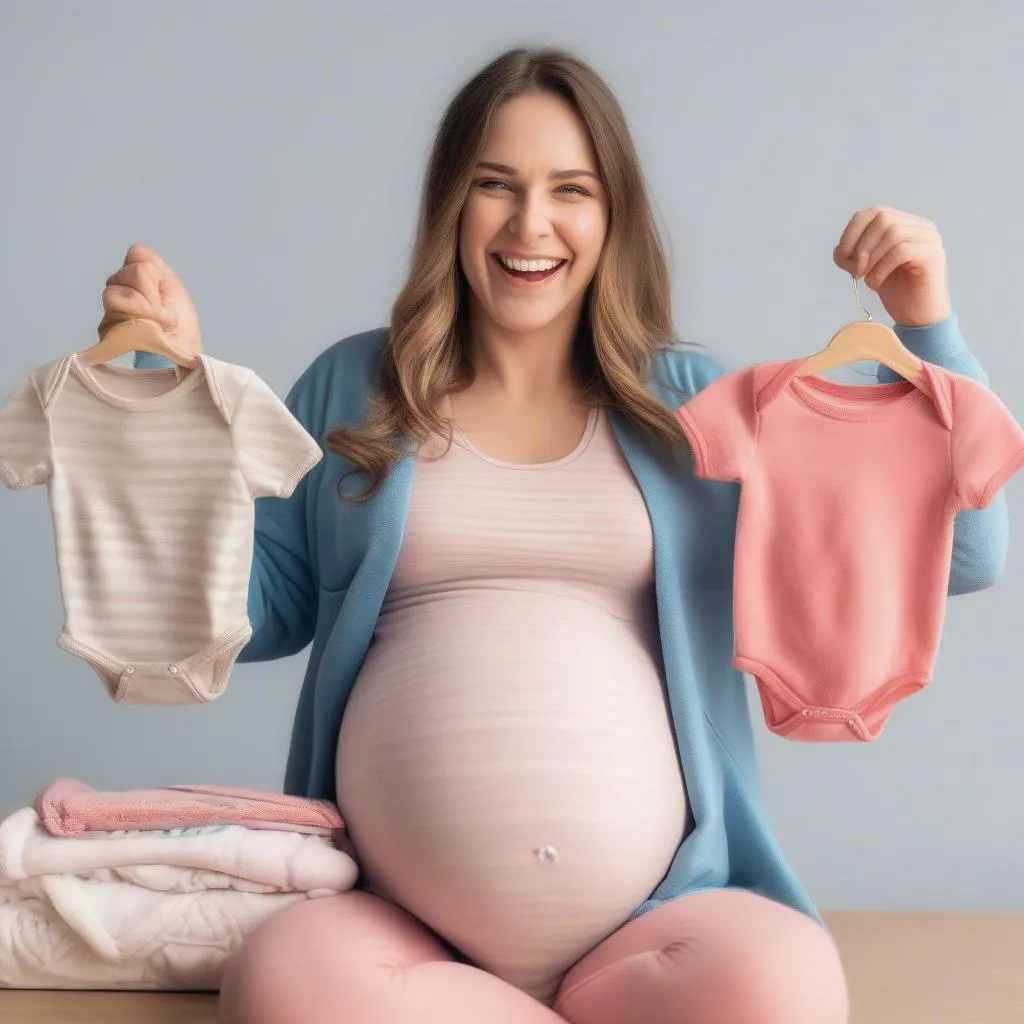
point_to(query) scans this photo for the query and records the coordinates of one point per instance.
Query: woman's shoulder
(682, 370)
(336, 385)
(349, 356)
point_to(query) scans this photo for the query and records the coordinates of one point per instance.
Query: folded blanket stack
(154, 889)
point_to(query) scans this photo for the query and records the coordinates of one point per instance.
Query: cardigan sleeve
(283, 593)
(981, 536)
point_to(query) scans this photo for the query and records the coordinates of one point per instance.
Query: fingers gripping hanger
(137, 335)
(865, 339)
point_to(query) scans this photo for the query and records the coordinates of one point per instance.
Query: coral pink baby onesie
(845, 528)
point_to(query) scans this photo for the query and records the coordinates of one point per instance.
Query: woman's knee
(715, 957)
(792, 975)
(317, 960)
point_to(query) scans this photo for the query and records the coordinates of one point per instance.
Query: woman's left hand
(899, 256)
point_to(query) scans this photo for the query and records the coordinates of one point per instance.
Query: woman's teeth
(528, 266)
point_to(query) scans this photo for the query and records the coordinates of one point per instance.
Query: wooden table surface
(903, 968)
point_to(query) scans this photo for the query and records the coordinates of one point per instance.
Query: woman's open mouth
(527, 271)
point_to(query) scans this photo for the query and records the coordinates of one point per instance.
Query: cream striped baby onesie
(151, 477)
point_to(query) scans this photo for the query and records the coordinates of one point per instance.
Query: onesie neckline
(856, 402)
(184, 385)
(864, 402)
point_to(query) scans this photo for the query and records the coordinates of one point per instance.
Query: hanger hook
(856, 295)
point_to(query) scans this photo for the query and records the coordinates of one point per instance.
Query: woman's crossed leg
(714, 957)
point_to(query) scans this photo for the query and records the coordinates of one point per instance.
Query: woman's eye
(493, 185)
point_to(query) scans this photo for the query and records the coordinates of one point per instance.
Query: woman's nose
(531, 219)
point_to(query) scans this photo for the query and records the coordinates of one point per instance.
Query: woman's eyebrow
(577, 172)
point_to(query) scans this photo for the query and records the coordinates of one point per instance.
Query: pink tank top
(507, 769)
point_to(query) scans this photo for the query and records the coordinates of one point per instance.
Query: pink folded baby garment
(67, 807)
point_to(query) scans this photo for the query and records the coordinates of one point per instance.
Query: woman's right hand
(147, 288)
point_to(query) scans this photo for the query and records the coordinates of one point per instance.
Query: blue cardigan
(321, 569)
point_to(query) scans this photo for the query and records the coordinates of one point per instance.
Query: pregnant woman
(517, 600)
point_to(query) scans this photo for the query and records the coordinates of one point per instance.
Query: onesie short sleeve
(273, 449)
(720, 422)
(24, 438)
(987, 443)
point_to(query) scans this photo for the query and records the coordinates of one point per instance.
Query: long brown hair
(627, 316)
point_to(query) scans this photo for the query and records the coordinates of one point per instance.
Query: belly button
(546, 854)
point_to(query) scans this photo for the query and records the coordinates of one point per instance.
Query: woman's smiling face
(535, 220)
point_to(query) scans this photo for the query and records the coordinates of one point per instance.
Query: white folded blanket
(147, 910)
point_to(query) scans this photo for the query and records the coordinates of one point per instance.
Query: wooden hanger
(864, 339)
(137, 336)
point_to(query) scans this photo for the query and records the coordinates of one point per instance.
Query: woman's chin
(522, 321)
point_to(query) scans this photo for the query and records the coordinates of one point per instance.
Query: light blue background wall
(273, 154)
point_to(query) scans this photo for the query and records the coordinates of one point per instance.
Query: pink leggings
(716, 957)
